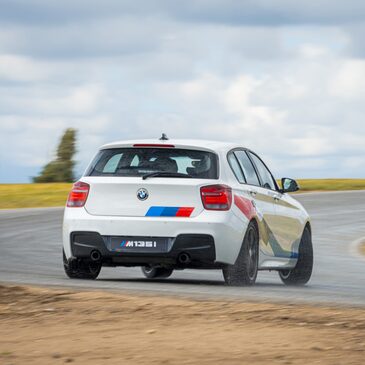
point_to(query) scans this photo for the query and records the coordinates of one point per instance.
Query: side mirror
(289, 185)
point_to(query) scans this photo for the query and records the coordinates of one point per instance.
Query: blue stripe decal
(162, 212)
(169, 212)
(154, 212)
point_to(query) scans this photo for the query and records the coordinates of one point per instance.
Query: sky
(283, 78)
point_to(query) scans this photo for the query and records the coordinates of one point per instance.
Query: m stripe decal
(169, 211)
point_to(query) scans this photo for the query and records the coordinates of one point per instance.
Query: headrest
(165, 164)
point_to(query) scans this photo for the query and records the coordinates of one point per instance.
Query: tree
(61, 168)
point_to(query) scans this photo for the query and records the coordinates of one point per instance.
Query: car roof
(200, 144)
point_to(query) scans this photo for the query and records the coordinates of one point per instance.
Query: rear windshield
(142, 161)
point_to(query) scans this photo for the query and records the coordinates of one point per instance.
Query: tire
(244, 271)
(81, 269)
(302, 272)
(156, 272)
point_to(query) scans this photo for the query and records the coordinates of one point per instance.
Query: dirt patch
(45, 326)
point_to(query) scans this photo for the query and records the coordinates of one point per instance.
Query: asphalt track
(30, 253)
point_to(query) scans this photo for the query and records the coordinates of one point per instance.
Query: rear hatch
(171, 187)
(165, 197)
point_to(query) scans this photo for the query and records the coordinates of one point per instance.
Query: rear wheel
(302, 272)
(244, 271)
(151, 272)
(80, 269)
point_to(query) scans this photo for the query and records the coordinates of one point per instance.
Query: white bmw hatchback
(171, 205)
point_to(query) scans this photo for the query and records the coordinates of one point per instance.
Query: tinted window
(247, 167)
(141, 161)
(236, 167)
(265, 175)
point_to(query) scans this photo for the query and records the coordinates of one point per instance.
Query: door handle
(252, 192)
(277, 198)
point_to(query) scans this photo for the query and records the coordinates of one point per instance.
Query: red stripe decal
(184, 212)
(245, 206)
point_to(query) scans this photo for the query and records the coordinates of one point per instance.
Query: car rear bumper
(186, 250)
(226, 232)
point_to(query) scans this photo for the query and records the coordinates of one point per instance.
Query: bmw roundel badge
(142, 194)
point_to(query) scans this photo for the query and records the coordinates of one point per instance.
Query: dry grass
(33, 195)
(331, 184)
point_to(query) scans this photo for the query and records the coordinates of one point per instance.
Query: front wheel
(244, 271)
(151, 272)
(81, 269)
(302, 272)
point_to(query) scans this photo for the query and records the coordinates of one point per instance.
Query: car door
(290, 223)
(263, 200)
(285, 224)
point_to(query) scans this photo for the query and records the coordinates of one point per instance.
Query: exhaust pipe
(184, 258)
(95, 255)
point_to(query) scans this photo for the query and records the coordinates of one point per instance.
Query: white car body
(112, 209)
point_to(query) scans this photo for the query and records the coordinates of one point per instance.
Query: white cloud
(19, 68)
(253, 117)
(83, 99)
(312, 51)
(289, 115)
(349, 81)
(288, 87)
(311, 146)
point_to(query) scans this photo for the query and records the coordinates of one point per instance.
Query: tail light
(78, 195)
(216, 197)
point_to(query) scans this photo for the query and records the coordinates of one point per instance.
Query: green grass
(53, 195)
(33, 195)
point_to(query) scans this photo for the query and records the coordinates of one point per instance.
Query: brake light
(216, 197)
(78, 195)
(154, 145)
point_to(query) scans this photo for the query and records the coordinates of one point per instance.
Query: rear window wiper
(164, 174)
